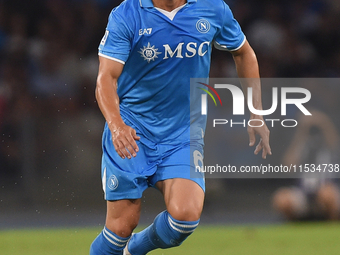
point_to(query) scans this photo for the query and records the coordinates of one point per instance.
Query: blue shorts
(128, 178)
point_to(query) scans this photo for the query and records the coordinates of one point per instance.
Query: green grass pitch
(292, 239)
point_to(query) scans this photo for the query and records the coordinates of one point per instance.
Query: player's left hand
(263, 132)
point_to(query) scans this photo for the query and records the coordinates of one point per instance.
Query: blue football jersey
(161, 51)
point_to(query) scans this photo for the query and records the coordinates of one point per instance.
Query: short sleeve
(230, 36)
(116, 44)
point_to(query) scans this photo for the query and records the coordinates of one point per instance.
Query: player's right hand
(124, 140)
(263, 132)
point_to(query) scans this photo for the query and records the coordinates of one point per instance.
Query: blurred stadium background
(50, 125)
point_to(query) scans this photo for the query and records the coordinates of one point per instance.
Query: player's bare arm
(247, 67)
(123, 136)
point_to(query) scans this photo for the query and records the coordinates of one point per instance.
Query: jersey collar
(149, 4)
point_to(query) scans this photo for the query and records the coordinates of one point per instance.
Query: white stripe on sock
(106, 234)
(172, 224)
(182, 225)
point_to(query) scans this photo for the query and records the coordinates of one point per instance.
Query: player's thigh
(183, 198)
(122, 216)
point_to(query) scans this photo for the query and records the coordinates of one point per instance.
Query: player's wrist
(256, 117)
(115, 125)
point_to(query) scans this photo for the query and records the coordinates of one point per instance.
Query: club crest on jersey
(149, 52)
(113, 182)
(203, 26)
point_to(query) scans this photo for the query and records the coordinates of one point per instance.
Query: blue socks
(108, 243)
(164, 232)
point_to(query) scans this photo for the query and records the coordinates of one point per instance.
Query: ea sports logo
(203, 26)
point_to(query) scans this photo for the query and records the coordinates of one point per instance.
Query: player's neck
(168, 5)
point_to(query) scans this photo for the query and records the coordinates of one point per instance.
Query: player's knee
(121, 227)
(185, 212)
(328, 198)
(328, 194)
(282, 200)
(291, 202)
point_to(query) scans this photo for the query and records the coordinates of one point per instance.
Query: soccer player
(150, 50)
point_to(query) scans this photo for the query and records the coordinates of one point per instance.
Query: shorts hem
(202, 185)
(118, 197)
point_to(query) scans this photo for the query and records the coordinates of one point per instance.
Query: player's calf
(165, 232)
(108, 242)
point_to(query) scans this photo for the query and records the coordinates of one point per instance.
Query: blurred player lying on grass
(316, 195)
(153, 136)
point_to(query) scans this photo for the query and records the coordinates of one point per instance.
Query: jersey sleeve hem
(111, 58)
(223, 47)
